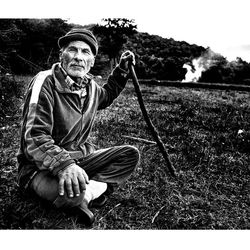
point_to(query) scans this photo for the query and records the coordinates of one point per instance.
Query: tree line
(30, 45)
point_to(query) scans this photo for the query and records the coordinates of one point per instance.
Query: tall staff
(152, 128)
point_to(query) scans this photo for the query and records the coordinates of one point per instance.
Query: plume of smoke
(199, 65)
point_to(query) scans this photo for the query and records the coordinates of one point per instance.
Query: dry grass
(200, 128)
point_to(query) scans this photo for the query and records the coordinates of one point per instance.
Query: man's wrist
(62, 166)
(61, 170)
(123, 72)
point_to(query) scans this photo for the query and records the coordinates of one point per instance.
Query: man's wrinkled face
(77, 59)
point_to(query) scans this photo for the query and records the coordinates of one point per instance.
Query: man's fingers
(73, 180)
(75, 186)
(69, 189)
(127, 53)
(82, 183)
(61, 187)
(131, 59)
(85, 176)
(128, 56)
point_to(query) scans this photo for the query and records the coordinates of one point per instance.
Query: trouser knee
(133, 155)
(46, 187)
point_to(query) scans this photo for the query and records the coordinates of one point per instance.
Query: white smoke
(193, 73)
(198, 65)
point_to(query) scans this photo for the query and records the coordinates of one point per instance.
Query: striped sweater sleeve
(39, 146)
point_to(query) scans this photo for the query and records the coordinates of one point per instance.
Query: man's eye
(71, 49)
(86, 51)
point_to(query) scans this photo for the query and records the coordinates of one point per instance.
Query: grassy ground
(200, 128)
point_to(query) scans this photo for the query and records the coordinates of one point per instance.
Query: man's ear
(92, 62)
(60, 56)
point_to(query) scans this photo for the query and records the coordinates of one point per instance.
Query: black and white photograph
(124, 116)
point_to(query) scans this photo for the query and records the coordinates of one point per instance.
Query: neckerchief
(77, 88)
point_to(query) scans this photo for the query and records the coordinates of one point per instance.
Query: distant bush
(10, 92)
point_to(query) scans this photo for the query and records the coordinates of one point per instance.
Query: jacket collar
(63, 82)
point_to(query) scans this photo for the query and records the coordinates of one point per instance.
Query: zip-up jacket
(56, 124)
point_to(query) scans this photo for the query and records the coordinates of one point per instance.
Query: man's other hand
(72, 180)
(126, 58)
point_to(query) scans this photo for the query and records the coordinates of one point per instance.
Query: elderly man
(56, 161)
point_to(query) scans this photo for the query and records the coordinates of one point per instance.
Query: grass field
(200, 129)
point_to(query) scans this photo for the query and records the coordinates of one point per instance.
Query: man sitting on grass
(55, 159)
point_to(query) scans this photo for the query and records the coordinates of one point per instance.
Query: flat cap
(79, 34)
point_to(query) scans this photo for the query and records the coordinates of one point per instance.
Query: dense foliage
(161, 58)
(113, 34)
(237, 71)
(29, 45)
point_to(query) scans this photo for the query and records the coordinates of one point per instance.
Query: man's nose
(79, 56)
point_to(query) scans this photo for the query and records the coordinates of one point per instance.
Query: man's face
(77, 59)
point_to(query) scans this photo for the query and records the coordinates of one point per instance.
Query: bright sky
(219, 24)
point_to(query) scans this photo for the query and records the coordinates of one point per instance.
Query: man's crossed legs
(106, 168)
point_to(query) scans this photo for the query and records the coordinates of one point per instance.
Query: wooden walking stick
(152, 128)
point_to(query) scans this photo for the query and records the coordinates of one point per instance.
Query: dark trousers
(111, 165)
